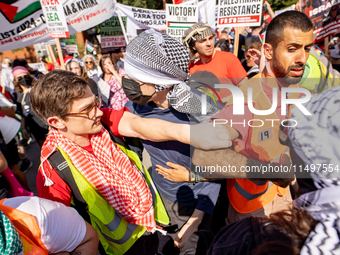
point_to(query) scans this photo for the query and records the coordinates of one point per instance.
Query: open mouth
(296, 71)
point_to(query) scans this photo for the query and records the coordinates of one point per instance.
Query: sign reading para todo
(179, 18)
(55, 18)
(233, 13)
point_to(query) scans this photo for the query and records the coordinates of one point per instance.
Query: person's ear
(56, 122)
(193, 46)
(268, 51)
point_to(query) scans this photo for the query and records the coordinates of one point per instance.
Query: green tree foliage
(281, 4)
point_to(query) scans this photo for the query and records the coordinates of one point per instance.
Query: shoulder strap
(114, 138)
(131, 143)
(61, 166)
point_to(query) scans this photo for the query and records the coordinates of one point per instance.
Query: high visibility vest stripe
(128, 233)
(246, 194)
(114, 224)
(258, 182)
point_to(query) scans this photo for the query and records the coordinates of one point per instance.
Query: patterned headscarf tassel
(48, 181)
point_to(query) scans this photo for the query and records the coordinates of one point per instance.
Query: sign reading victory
(179, 19)
(56, 21)
(233, 13)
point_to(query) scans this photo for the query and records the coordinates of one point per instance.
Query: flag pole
(236, 42)
(60, 54)
(121, 23)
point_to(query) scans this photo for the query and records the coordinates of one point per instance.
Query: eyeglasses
(90, 113)
(88, 62)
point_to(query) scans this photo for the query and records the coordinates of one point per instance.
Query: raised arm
(204, 135)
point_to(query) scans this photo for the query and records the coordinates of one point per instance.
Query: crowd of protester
(93, 120)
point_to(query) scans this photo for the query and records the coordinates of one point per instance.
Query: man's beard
(283, 75)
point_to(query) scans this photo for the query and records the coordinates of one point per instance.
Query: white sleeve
(62, 228)
(4, 102)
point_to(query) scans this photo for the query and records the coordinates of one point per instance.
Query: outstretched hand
(176, 173)
(206, 136)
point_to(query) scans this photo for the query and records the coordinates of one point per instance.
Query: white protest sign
(38, 66)
(140, 19)
(23, 22)
(56, 21)
(179, 19)
(234, 13)
(206, 11)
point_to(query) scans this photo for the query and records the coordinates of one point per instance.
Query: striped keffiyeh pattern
(316, 139)
(115, 176)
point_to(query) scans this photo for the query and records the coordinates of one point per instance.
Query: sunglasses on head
(88, 62)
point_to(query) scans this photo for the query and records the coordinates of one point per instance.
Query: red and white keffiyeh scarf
(112, 172)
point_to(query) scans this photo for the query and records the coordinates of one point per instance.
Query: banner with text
(139, 19)
(239, 13)
(56, 21)
(24, 24)
(179, 18)
(111, 34)
(71, 43)
(325, 16)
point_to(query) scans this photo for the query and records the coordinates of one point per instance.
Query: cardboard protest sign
(56, 21)
(179, 19)
(234, 13)
(325, 16)
(111, 34)
(23, 22)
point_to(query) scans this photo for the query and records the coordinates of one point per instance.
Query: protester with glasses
(76, 66)
(91, 67)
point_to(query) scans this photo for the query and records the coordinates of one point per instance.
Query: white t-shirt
(62, 228)
(9, 127)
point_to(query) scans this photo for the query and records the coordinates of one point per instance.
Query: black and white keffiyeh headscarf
(156, 58)
(316, 139)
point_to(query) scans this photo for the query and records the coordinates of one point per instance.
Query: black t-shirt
(93, 86)
(24, 104)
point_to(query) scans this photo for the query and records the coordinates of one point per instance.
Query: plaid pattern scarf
(115, 176)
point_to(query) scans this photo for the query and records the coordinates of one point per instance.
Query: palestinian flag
(10, 12)
(89, 46)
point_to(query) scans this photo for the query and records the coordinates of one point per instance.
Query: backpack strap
(60, 164)
(131, 143)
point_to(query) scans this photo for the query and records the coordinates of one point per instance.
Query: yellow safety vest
(319, 74)
(115, 234)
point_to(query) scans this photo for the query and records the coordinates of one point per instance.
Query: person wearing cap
(64, 51)
(23, 82)
(157, 67)
(224, 65)
(22, 62)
